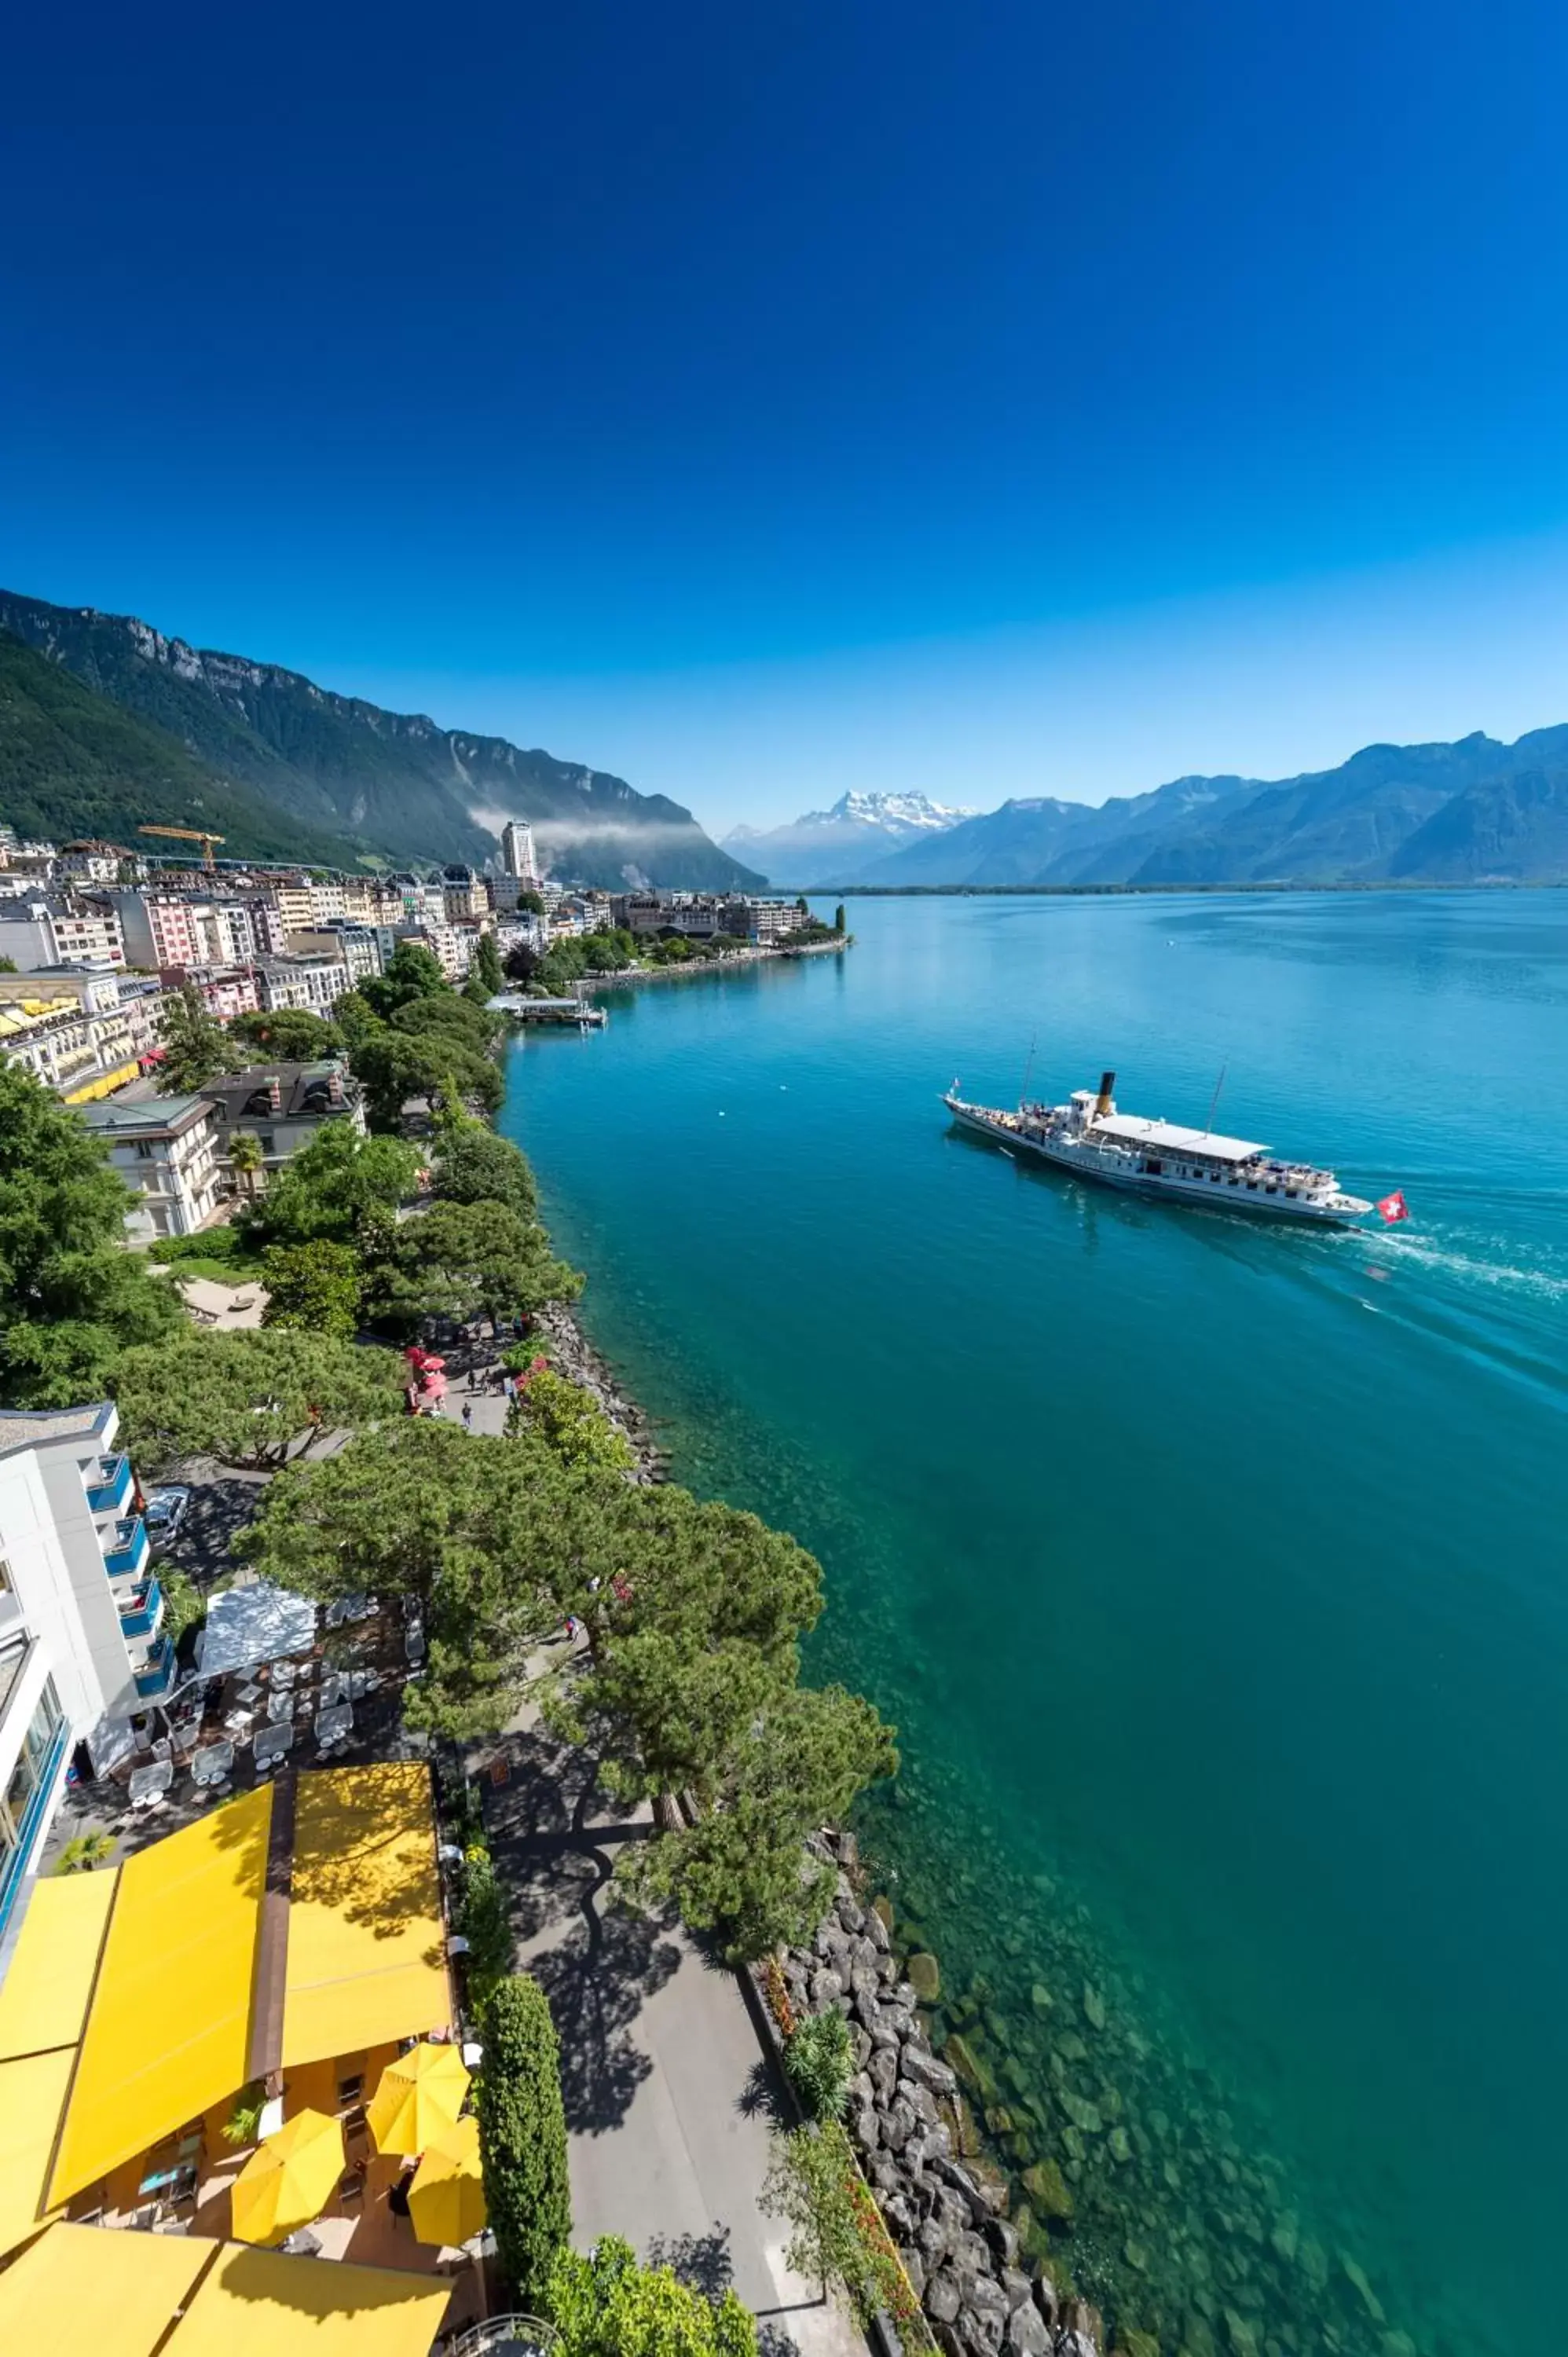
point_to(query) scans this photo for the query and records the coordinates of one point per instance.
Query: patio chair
(351, 2188)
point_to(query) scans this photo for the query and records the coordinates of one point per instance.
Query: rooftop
(304, 1088)
(1173, 1139)
(151, 1117)
(24, 1427)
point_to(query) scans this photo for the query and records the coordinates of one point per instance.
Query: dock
(548, 1010)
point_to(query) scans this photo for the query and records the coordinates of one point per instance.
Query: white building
(517, 855)
(358, 946)
(96, 862)
(167, 1152)
(37, 930)
(316, 984)
(82, 1031)
(83, 1645)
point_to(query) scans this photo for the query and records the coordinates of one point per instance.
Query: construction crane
(190, 835)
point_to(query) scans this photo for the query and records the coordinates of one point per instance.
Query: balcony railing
(12, 1864)
(142, 1614)
(154, 1680)
(112, 1487)
(127, 1548)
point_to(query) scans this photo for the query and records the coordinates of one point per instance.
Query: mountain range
(1473, 811)
(160, 730)
(840, 845)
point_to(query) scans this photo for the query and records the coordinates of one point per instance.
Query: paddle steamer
(1159, 1157)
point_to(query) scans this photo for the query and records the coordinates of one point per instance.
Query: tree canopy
(71, 1297)
(291, 1033)
(463, 1260)
(474, 1165)
(195, 1045)
(412, 971)
(328, 1189)
(314, 1285)
(248, 1397)
(607, 2304)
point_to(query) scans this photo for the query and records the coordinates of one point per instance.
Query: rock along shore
(982, 2291)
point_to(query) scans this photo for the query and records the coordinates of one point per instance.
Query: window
(6, 1586)
(144, 1151)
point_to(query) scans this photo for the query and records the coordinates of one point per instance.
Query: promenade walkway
(670, 2104)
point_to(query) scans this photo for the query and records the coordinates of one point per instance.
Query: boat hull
(1103, 1172)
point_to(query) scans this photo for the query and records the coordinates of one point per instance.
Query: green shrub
(486, 1924)
(522, 2137)
(607, 2306)
(819, 2062)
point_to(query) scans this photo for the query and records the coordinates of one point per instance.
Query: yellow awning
(102, 1084)
(366, 1944)
(32, 2097)
(84, 2288)
(43, 1998)
(168, 2032)
(254, 2304)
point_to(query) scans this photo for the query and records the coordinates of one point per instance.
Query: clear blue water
(1213, 1574)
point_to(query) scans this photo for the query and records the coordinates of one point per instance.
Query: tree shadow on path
(597, 1962)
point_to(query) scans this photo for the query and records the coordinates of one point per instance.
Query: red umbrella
(430, 1361)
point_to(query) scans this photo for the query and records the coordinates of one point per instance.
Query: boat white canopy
(1169, 1137)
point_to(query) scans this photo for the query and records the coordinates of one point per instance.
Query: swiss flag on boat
(1393, 1207)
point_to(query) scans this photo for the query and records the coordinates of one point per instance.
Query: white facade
(35, 932)
(316, 984)
(358, 946)
(81, 1637)
(518, 857)
(167, 1152)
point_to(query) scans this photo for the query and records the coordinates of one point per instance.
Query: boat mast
(1214, 1100)
(1028, 1068)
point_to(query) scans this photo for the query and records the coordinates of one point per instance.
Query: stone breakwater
(573, 1355)
(984, 2293)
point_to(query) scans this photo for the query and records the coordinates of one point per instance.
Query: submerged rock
(1355, 2277)
(1047, 2190)
(924, 1977)
(1093, 2007)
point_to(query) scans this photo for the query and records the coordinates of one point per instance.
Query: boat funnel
(1102, 1103)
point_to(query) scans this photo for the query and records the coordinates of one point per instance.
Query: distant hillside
(73, 764)
(394, 783)
(841, 845)
(1473, 812)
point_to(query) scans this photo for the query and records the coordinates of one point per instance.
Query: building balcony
(156, 1674)
(126, 1547)
(140, 1614)
(109, 1493)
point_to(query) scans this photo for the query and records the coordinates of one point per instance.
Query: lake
(1213, 1572)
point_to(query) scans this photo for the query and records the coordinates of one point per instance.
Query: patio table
(212, 1766)
(272, 1743)
(147, 1783)
(333, 1725)
(280, 1707)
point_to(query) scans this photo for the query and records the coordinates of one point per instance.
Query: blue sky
(1026, 398)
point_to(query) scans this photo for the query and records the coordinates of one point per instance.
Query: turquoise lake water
(1213, 1572)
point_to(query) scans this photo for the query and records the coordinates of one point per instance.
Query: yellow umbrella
(420, 2095)
(447, 2200)
(288, 2180)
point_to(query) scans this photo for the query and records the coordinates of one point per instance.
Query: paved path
(670, 2104)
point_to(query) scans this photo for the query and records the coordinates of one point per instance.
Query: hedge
(523, 2135)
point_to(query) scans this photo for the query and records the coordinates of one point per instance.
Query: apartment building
(358, 946)
(294, 903)
(39, 930)
(452, 946)
(316, 984)
(518, 854)
(158, 929)
(282, 1105)
(167, 1152)
(97, 863)
(83, 1645)
(82, 1032)
(225, 991)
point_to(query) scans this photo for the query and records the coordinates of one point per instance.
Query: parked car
(163, 1513)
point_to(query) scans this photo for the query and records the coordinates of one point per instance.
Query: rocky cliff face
(406, 788)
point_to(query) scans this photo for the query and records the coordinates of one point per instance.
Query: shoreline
(631, 976)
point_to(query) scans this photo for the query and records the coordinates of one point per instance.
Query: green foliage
(247, 1396)
(840, 2234)
(412, 971)
(565, 1417)
(185, 1606)
(477, 1167)
(532, 901)
(421, 1510)
(820, 2062)
(522, 2137)
(7, 965)
(315, 1285)
(71, 1297)
(243, 2125)
(485, 1922)
(74, 764)
(463, 1260)
(740, 1871)
(331, 1187)
(607, 2306)
(195, 1045)
(486, 969)
(395, 1065)
(838, 919)
(290, 1034)
(85, 1851)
